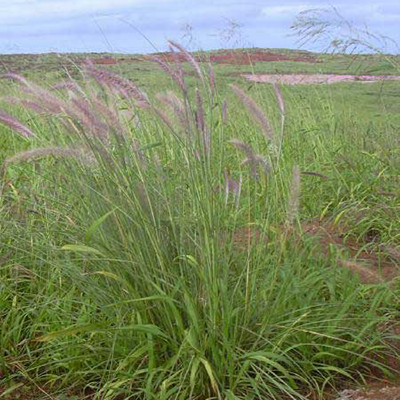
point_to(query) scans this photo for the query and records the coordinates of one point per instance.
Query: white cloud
(18, 12)
(288, 10)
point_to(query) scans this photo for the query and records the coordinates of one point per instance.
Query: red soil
(241, 57)
(234, 57)
(104, 61)
(377, 266)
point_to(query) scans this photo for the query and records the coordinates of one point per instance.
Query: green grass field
(202, 241)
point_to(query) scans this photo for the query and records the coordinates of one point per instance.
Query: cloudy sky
(33, 26)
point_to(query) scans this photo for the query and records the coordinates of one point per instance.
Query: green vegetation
(156, 247)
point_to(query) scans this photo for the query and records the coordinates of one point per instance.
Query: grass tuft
(160, 269)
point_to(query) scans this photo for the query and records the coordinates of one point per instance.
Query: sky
(143, 26)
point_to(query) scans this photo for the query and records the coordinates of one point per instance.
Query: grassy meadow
(173, 231)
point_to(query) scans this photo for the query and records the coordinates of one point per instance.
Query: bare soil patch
(372, 264)
(304, 79)
(382, 391)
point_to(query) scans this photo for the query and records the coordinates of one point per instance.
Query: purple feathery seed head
(224, 111)
(188, 58)
(15, 125)
(172, 73)
(199, 112)
(176, 105)
(160, 113)
(15, 77)
(201, 126)
(243, 146)
(89, 119)
(255, 161)
(28, 104)
(281, 104)
(48, 100)
(177, 62)
(256, 111)
(121, 85)
(279, 97)
(232, 187)
(36, 107)
(40, 152)
(252, 159)
(67, 85)
(78, 108)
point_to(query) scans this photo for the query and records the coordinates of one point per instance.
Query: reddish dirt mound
(104, 61)
(240, 57)
(113, 61)
(130, 59)
(244, 58)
